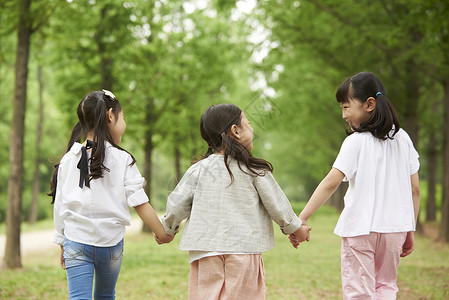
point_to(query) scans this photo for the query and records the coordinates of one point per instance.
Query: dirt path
(40, 240)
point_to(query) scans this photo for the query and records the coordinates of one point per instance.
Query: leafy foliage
(280, 61)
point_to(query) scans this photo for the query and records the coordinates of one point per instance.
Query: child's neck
(90, 136)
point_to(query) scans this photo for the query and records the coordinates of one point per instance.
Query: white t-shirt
(379, 197)
(97, 215)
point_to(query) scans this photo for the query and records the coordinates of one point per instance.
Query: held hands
(300, 235)
(164, 238)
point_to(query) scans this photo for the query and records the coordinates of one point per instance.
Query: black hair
(360, 87)
(215, 123)
(92, 116)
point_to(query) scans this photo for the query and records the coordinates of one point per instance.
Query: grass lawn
(150, 271)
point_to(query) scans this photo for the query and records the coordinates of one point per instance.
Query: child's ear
(235, 131)
(110, 115)
(370, 104)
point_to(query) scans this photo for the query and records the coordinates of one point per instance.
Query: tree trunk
(150, 120)
(106, 63)
(411, 112)
(12, 257)
(432, 157)
(148, 167)
(177, 164)
(444, 226)
(34, 211)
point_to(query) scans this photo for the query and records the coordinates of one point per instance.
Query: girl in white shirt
(229, 199)
(382, 202)
(93, 187)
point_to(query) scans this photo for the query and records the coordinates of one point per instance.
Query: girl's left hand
(61, 258)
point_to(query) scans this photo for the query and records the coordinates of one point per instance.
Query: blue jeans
(82, 261)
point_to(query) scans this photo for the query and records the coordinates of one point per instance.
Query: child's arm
(416, 194)
(322, 193)
(180, 201)
(150, 218)
(61, 258)
(276, 203)
(409, 243)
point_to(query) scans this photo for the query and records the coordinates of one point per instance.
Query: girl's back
(228, 217)
(379, 196)
(229, 199)
(92, 214)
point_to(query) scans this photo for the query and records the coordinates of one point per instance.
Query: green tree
(336, 39)
(29, 21)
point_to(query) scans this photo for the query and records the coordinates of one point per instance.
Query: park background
(167, 61)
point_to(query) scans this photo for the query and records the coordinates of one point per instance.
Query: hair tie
(83, 164)
(109, 94)
(223, 134)
(378, 93)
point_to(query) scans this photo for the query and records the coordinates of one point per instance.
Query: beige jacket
(221, 216)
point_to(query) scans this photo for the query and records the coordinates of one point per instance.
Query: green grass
(150, 271)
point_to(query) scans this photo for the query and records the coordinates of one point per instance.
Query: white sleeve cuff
(292, 226)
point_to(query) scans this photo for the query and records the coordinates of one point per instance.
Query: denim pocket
(117, 251)
(72, 249)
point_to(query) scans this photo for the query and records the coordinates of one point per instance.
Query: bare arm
(409, 243)
(322, 193)
(150, 218)
(416, 194)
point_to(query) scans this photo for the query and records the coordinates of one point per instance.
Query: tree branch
(347, 22)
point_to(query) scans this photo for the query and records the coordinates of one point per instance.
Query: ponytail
(382, 121)
(92, 116)
(75, 136)
(101, 133)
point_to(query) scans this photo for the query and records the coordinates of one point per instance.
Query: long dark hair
(92, 116)
(215, 123)
(360, 87)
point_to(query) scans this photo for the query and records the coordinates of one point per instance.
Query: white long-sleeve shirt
(97, 215)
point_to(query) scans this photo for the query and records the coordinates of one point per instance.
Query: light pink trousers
(369, 265)
(231, 277)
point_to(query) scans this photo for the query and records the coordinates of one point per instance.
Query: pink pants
(369, 265)
(230, 277)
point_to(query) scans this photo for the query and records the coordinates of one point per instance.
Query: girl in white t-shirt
(382, 202)
(230, 200)
(93, 187)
